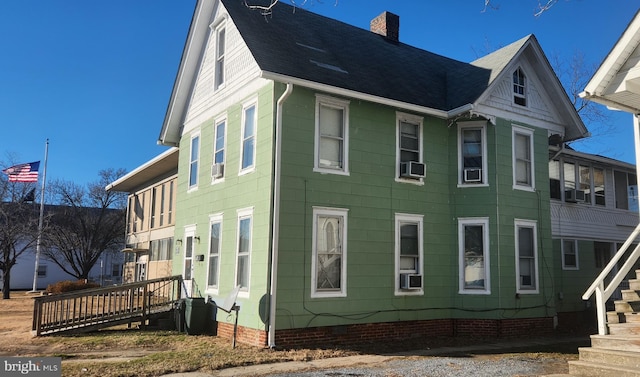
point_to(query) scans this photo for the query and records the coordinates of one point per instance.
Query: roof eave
(354, 94)
(619, 54)
(187, 70)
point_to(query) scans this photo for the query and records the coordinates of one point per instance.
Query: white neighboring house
(107, 271)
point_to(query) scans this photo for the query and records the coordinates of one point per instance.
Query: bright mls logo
(28, 366)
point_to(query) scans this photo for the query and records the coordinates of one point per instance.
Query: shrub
(68, 286)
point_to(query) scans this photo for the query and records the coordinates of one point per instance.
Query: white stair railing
(598, 286)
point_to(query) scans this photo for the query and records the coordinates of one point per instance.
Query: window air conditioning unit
(574, 196)
(410, 281)
(217, 170)
(412, 169)
(472, 175)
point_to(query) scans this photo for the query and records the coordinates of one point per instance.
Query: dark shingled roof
(297, 43)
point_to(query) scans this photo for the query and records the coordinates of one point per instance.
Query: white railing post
(601, 309)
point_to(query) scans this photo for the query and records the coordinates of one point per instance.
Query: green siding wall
(373, 197)
(234, 193)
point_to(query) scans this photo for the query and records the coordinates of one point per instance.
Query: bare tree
(543, 6)
(88, 222)
(18, 227)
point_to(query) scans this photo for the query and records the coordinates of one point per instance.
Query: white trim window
(526, 243)
(519, 87)
(409, 254)
(329, 262)
(220, 45)
(331, 136)
(523, 162)
(215, 245)
(243, 250)
(473, 243)
(219, 146)
(472, 154)
(248, 142)
(409, 148)
(570, 255)
(194, 159)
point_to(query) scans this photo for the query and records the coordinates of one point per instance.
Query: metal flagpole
(39, 241)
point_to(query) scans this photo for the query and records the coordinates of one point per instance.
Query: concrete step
(631, 317)
(626, 359)
(634, 284)
(624, 328)
(590, 369)
(616, 342)
(624, 306)
(630, 295)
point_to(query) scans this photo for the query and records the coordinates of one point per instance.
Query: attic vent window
(519, 88)
(328, 66)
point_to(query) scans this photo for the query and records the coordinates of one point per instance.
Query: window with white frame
(526, 256)
(194, 157)
(580, 182)
(473, 243)
(410, 165)
(626, 190)
(329, 262)
(519, 87)
(243, 251)
(584, 181)
(598, 187)
(331, 135)
(523, 164)
(248, 137)
(215, 243)
(217, 168)
(220, 33)
(569, 254)
(409, 253)
(554, 180)
(472, 151)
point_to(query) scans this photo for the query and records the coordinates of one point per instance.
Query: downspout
(275, 231)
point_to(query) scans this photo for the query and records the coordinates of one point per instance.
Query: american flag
(23, 172)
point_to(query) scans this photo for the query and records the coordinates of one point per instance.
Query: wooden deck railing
(91, 309)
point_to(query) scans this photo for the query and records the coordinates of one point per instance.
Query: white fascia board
(187, 71)
(353, 94)
(618, 55)
(142, 167)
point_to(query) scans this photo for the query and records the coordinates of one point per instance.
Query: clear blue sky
(95, 76)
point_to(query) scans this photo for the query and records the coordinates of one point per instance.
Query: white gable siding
(240, 70)
(537, 106)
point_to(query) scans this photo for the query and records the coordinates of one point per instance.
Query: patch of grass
(183, 354)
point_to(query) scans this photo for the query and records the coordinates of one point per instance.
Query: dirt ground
(16, 316)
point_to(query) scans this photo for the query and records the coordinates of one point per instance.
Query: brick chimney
(388, 25)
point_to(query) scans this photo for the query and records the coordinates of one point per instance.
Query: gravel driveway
(491, 366)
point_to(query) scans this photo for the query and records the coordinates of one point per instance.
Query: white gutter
(275, 232)
(354, 94)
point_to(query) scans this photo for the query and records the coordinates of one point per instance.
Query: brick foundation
(580, 322)
(387, 331)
